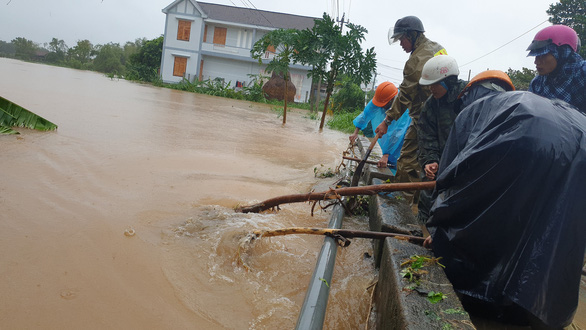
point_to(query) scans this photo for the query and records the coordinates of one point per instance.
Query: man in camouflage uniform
(409, 30)
(437, 116)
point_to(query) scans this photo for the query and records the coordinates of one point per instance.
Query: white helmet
(437, 68)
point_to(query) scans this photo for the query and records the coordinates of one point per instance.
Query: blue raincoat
(391, 142)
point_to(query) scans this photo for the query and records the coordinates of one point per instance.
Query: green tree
(144, 65)
(573, 14)
(521, 78)
(81, 54)
(349, 96)
(57, 51)
(325, 45)
(7, 49)
(109, 59)
(131, 48)
(284, 41)
(24, 49)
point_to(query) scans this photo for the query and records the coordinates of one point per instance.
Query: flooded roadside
(168, 167)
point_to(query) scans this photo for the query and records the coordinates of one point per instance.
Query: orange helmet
(499, 77)
(384, 93)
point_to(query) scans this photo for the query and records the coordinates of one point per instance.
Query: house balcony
(212, 49)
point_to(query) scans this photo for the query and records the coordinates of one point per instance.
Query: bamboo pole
(337, 232)
(335, 194)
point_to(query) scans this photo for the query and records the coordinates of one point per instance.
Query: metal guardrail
(313, 311)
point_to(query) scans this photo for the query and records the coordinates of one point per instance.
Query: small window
(184, 30)
(220, 35)
(205, 33)
(180, 66)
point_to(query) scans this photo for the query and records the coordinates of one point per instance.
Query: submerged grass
(341, 120)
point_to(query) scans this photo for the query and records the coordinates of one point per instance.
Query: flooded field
(123, 217)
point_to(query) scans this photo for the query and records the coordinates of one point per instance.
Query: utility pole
(342, 21)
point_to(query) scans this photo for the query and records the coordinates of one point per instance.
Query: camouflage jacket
(435, 122)
(411, 95)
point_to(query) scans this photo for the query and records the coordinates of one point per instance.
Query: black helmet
(404, 25)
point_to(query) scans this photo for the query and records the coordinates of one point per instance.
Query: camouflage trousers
(408, 170)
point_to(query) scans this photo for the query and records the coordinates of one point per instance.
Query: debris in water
(244, 244)
(129, 232)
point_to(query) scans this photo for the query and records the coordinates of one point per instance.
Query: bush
(144, 64)
(342, 121)
(349, 97)
(254, 91)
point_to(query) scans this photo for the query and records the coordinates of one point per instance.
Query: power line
(398, 81)
(388, 66)
(504, 44)
(253, 6)
(349, 6)
(244, 3)
(386, 59)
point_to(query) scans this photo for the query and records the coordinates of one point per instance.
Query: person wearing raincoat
(508, 218)
(561, 70)
(373, 115)
(410, 32)
(440, 74)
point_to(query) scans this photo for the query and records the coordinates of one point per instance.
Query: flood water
(123, 217)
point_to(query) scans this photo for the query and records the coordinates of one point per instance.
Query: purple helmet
(557, 35)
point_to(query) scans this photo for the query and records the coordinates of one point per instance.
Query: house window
(271, 48)
(205, 33)
(180, 66)
(184, 30)
(220, 35)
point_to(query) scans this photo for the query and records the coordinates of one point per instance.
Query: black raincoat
(510, 215)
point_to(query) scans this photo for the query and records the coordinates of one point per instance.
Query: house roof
(256, 17)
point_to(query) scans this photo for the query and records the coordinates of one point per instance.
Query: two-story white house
(208, 41)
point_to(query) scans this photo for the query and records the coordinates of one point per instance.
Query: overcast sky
(479, 34)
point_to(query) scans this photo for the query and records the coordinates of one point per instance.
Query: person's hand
(428, 243)
(353, 138)
(382, 163)
(431, 170)
(381, 129)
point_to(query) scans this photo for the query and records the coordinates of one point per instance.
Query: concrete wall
(399, 303)
(178, 48)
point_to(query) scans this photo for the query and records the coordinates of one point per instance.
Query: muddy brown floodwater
(123, 217)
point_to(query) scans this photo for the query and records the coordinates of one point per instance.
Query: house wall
(230, 70)
(173, 47)
(231, 62)
(233, 70)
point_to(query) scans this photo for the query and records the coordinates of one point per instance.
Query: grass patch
(342, 121)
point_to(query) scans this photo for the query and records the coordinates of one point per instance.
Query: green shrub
(349, 97)
(342, 121)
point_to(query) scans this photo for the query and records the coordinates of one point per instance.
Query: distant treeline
(135, 60)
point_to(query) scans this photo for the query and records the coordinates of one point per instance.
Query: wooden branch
(337, 232)
(335, 194)
(359, 160)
